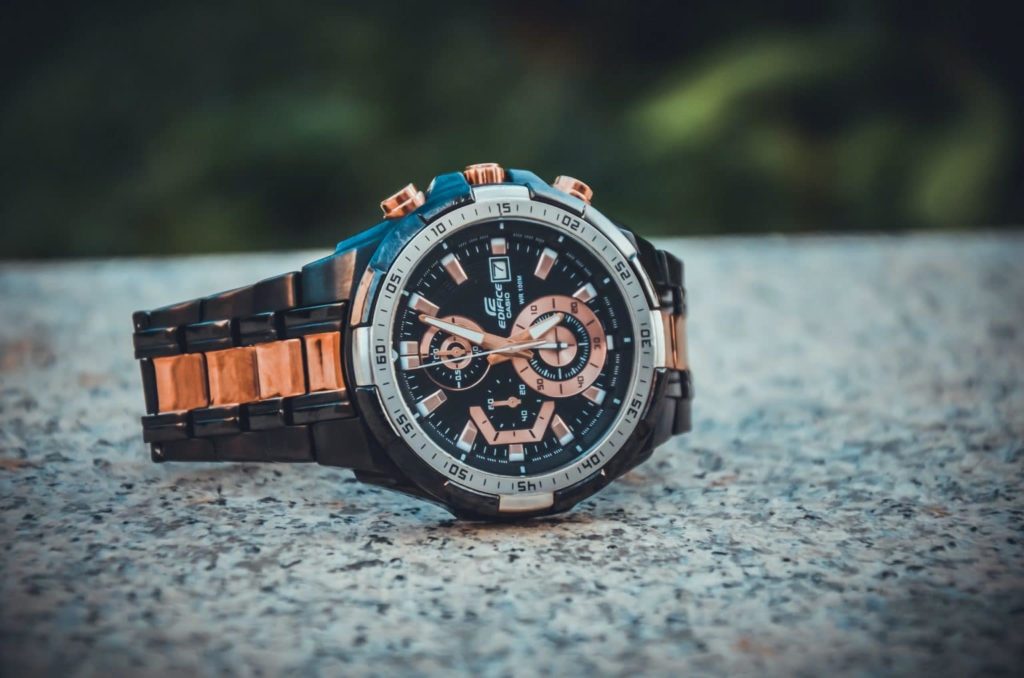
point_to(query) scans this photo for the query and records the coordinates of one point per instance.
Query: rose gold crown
(484, 173)
(403, 202)
(574, 187)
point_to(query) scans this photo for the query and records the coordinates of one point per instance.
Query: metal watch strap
(255, 373)
(667, 276)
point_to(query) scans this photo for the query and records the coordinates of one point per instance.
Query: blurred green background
(195, 126)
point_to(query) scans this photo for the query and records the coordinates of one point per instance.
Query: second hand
(503, 349)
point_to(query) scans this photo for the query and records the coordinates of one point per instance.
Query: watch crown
(574, 187)
(484, 173)
(403, 202)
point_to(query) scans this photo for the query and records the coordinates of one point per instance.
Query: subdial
(512, 416)
(456, 367)
(578, 348)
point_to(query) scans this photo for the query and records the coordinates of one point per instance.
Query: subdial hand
(511, 401)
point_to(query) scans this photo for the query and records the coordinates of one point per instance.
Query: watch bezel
(593, 231)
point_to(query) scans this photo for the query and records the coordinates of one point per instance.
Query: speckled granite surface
(849, 503)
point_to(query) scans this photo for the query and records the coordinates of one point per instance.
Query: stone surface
(849, 503)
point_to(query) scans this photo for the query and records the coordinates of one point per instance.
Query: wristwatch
(495, 345)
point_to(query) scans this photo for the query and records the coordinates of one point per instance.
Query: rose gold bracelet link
(180, 382)
(323, 361)
(232, 376)
(675, 341)
(280, 368)
(682, 357)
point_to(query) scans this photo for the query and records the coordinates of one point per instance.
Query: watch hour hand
(481, 339)
(472, 336)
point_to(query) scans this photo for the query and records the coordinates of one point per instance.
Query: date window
(500, 270)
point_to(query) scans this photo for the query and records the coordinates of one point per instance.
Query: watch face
(512, 347)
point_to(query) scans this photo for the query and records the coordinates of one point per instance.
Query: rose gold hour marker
(561, 430)
(498, 246)
(594, 394)
(585, 293)
(431, 402)
(422, 304)
(467, 437)
(454, 268)
(515, 453)
(545, 262)
(409, 355)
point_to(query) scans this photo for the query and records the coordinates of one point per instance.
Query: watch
(495, 345)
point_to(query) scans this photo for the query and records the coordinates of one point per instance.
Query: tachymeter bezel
(490, 205)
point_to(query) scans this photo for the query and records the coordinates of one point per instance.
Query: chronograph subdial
(512, 417)
(457, 369)
(580, 348)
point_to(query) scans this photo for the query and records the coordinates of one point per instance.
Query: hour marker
(561, 430)
(454, 268)
(498, 246)
(585, 293)
(545, 262)
(515, 453)
(594, 394)
(409, 355)
(610, 340)
(431, 402)
(423, 305)
(467, 436)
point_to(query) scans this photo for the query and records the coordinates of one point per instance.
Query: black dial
(514, 347)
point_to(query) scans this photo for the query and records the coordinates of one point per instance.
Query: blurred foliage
(141, 128)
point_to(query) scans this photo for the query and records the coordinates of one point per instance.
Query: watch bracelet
(203, 339)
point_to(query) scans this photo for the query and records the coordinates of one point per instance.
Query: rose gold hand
(484, 340)
(503, 349)
(511, 401)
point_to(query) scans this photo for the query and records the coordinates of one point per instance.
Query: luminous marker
(498, 246)
(515, 453)
(467, 436)
(454, 268)
(409, 353)
(561, 430)
(585, 293)
(594, 394)
(431, 402)
(545, 262)
(423, 305)
(610, 340)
